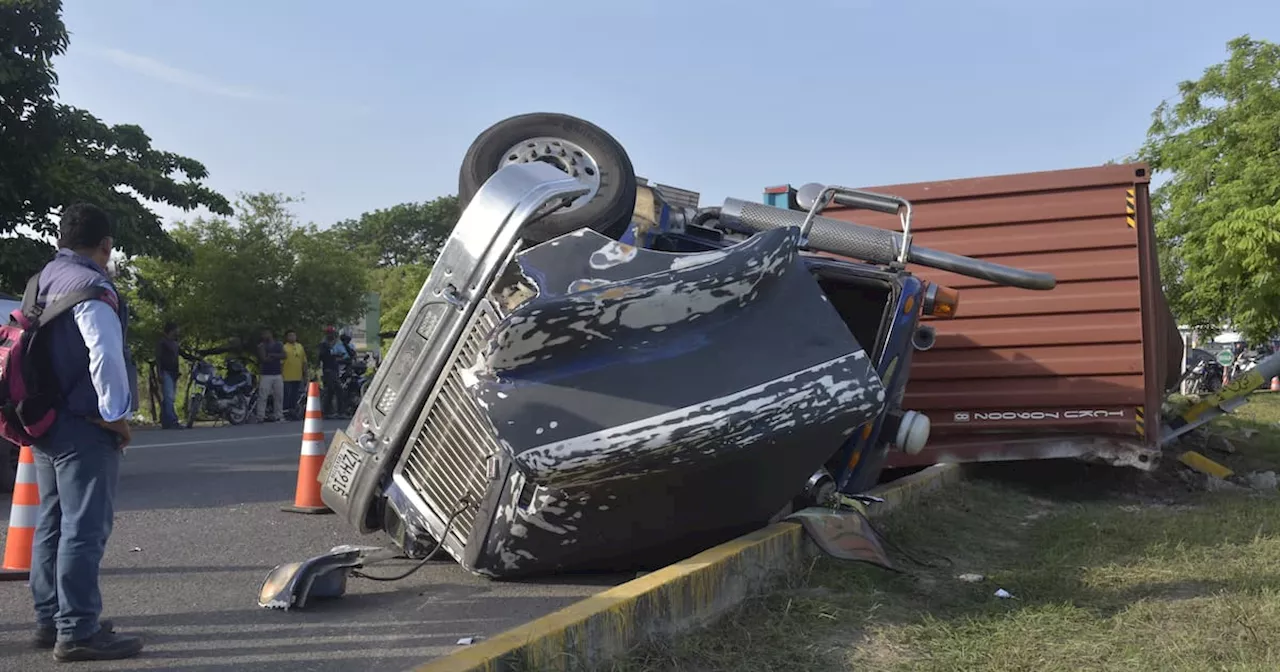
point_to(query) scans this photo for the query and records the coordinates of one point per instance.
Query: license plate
(343, 468)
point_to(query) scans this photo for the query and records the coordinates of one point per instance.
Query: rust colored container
(1023, 374)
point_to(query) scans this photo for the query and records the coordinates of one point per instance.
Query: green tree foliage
(399, 244)
(262, 270)
(409, 233)
(397, 287)
(1218, 215)
(52, 155)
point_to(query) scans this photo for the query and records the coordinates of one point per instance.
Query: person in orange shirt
(294, 372)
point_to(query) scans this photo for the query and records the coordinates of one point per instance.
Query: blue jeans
(77, 467)
(292, 388)
(168, 393)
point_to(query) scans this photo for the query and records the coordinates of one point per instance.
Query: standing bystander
(270, 363)
(167, 362)
(78, 461)
(329, 372)
(294, 371)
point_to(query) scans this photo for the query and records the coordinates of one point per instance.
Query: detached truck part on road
(1078, 371)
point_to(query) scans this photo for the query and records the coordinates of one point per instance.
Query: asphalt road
(198, 525)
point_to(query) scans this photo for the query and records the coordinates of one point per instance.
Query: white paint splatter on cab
(842, 386)
(612, 254)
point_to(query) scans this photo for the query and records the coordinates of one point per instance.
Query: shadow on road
(394, 630)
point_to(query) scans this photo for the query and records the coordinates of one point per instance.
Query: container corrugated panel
(678, 197)
(1016, 366)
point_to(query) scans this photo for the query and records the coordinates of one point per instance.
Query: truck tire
(573, 145)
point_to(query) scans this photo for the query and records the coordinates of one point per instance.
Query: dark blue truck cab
(587, 386)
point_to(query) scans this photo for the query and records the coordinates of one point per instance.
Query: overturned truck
(593, 378)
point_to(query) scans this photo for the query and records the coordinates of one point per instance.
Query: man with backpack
(75, 394)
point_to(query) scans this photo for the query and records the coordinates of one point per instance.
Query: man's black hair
(170, 326)
(83, 227)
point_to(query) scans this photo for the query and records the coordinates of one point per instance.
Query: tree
(399, 244)
(409, 233)
(55, 155)
(1218, 215)
(262, 271)
(397, 287)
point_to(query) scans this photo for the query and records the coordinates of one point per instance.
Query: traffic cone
(1275, 384)
(306, 498)
(22, 520)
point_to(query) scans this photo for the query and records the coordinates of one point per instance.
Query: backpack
(29, 394)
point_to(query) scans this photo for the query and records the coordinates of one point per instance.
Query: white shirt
(104, 336)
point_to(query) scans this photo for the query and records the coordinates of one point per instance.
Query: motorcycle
(1244, 362)
(295, 409)
(229, 398)
(353, 380)
(1204, 376)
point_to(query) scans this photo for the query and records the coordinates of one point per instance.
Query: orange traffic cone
(1275, 384)
(306, 497)
(22, 520)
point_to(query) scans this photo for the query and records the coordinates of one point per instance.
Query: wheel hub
(566, 156)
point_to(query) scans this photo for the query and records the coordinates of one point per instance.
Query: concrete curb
(678, 597)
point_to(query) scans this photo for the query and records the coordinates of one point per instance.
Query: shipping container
(1070, 372)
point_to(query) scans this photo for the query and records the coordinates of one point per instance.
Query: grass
(1110, 569)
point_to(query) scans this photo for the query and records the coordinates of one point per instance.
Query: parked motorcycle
(228, 398)
(353, 379)
(1203, 374)
(295, 409)
(1245, 361)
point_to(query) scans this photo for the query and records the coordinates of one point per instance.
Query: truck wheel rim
(567, 156)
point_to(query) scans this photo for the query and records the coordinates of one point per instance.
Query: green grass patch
(1110, 569)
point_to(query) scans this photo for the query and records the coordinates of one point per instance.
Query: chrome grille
(448, 459)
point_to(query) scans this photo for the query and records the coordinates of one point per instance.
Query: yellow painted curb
(691, 592)
(1204, 465)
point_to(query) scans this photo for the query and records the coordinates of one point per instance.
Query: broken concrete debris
(1263, 480)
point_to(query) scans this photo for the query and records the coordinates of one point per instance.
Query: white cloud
(154, 69)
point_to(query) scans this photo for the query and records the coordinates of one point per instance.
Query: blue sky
(357, 109)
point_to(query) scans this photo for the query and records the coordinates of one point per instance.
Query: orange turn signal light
(940, 301)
